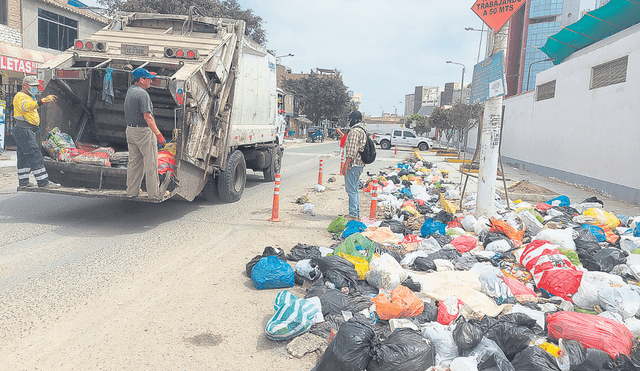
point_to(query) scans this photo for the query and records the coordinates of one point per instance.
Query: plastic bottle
(552, 349)
(563, 361)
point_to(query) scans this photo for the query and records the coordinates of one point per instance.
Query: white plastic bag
(499, 246)
(621, 300)
(560, 237)
(385, 272)
(468, 222)
(464, 364)
(319, 188)
(592, 283)
(633, 324)
(612, 315)
(429, 245)
(408, 259)
(441, 337)
(535, 314)
(308, 208)
(443, 265)
(307, 269)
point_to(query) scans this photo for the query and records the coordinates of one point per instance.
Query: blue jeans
(351, 182)
(29, 157)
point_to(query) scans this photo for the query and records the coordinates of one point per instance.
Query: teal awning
(594, 26)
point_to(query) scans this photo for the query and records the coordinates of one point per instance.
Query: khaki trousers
(143, 161)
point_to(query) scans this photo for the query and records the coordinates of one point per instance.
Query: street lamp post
(462, 82)
(529, 73)
(480, 44)
(282, 56)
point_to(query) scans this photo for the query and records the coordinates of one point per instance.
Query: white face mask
(33, 90)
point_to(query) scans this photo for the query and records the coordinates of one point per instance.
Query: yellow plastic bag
(362, 265)
(604, 217)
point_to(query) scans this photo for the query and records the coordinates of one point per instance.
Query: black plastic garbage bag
(447, 254)
(367, 290)
(338, 270)
(331, 322)
(429, 314)
(595, 359)
(510, 337)
(424, 209)
(534, 359)
(576, 353)
(489, 356)
(592, 200)
(444, 217)
(303, 251)
(423, 264)
(603, 260)
(268, 251)
(467, 334)
(396, 226)
(568, 211)
(412, 285)
(350, 349)
(522, 319)
(622, 363)
(394, 254)
(404, 350)
(442, 240)
(335, 301)
(586, 242)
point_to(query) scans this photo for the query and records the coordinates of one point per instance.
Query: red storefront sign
(18, 65)
(495, 13)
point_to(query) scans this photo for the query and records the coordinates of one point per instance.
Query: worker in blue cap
(143, 136)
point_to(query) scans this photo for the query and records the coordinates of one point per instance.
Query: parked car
(402, 138)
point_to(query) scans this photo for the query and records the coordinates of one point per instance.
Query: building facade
(426, 98)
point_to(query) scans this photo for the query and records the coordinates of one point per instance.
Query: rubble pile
(549, 286)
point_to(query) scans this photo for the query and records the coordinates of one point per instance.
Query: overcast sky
(383, 48)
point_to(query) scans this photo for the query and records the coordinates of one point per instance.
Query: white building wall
(583, 136)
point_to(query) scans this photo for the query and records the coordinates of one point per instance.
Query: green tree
(420, 124)
(464, 117)
(321, 96)
(209, 8)
(441, 120)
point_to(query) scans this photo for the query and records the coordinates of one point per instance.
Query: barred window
(546, 90)
(612, 72)
(56, 31)
(3, 12)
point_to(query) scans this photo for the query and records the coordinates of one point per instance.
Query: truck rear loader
(214, 95)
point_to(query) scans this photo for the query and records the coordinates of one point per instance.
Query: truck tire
(210, 191)
(232, 180)
(385, 144)
(423, 146)
(274, 168)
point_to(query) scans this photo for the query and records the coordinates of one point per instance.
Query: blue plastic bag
(636, 230)
(564, 201)
(407, 192)
(430, 226)
(353, 226)
(272, 272)
(596, 231)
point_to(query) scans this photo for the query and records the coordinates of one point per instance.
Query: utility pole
(490, 137)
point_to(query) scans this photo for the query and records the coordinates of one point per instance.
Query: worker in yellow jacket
(27, 122)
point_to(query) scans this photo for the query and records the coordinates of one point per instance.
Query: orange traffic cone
(320, 173)
(374, 200)
(276, 201)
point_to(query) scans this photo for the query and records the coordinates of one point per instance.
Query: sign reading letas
(495, 13)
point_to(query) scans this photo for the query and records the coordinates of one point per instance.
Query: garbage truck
(214, 98)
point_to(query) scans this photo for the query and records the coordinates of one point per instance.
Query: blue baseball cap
(141, 72)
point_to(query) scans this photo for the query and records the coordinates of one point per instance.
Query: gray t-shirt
(136, 102)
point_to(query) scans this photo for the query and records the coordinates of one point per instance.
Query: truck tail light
(96, 46)
(170, 52)
(75, 74)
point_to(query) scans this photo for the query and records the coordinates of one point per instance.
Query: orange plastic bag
(504, 227)
(404, 303)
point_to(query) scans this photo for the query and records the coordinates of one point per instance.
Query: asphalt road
(79, 277)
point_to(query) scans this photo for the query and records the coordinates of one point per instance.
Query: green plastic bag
(357, 245)
(572, 256)
(338, 224)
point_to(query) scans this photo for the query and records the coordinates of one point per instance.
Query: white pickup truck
(402, 138)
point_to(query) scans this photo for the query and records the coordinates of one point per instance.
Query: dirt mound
(526, 187)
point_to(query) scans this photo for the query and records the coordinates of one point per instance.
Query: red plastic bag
(591, 331)
(404, 303)
(447, 312)
(166, 162)
(464, 243)
(543, 207)
(519, 290)
(551, 270)
(504, 227)
(410, 238)
(455, 223)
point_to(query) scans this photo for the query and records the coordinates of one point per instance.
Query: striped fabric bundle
(293, 317)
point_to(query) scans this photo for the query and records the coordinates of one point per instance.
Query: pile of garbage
(61, 147)
(551, 286)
